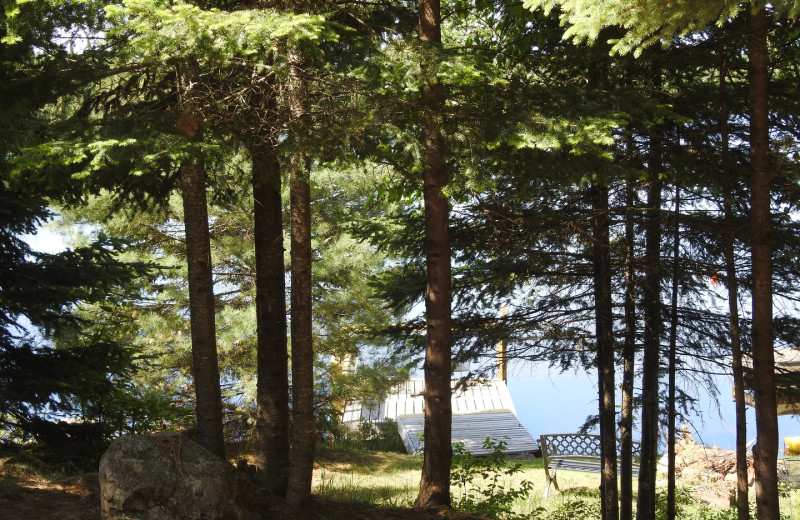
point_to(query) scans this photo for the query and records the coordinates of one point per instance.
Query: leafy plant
(576, 508)
(368, 436)
(482, 481)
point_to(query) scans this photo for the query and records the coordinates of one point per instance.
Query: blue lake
(550, 402)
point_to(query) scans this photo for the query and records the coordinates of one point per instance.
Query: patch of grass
(790, 502)
(22, 468)
(392, 479)
(372, 477)
(378, 490)
(366, 462)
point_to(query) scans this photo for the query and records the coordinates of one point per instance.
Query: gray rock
(168, 477)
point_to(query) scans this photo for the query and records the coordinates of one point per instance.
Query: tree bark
(766, 449)
(742, 488)
(272, 415)
(434, 489)
(303, 431)
(646, 505)
(205, 364)
(604, 325)
(628, 360)
(672, 360)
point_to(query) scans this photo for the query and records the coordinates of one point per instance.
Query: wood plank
(406, 399)
(472, 430)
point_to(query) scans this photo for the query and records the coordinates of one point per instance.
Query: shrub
(367, 435)
(481, 481)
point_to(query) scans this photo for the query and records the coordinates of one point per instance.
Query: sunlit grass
(790, 504)
(392, 479)
(383, 479)
(14, 471)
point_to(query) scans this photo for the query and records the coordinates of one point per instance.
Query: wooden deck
(473, 429)
(483, 408)
(406, 399)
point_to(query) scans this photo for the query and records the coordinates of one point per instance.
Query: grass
(20, 470)
(378, 478)
(392, 479)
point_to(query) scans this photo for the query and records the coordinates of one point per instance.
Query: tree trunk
(673, 346)
(604, 325)
(303, 431)
(272, 415)
(646, 506)
(742, 488)
(628, 360)
(766, 449)
(205, 365)
(434, 489)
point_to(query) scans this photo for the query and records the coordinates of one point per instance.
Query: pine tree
(647, 22)
(434, 489)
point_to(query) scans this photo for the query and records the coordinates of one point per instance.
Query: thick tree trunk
(672, 360)
(205, 365)
(766, 449)
(434, 489)
(742, 488)
(604, 325)
(303, 431)
(272, 415)
(628, 360)
(646, 506)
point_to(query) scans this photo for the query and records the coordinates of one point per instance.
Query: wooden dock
(472, 430)
(482, 408)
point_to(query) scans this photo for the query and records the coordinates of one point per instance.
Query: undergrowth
(495, 486)
(482, 485)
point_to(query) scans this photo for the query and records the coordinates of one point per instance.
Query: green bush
(481, 482)
(575, 508)
(368, 436)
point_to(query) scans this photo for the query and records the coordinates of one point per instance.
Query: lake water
(552, 402)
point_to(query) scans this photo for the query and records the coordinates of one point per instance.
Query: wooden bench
(574, 452)
(789, 470)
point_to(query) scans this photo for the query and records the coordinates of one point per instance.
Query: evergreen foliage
(536, 111)
(65, 388)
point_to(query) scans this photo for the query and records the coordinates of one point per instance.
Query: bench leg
(550, 480)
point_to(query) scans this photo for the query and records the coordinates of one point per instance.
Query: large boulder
(169, 477)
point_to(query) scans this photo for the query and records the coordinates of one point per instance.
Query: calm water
(549, 402)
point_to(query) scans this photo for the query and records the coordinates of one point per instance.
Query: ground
(26, 495)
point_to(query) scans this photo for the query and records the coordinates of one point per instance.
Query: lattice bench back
(576, 444)
(575, 452)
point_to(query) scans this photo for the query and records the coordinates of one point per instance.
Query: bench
(574, 452)
(789, 471)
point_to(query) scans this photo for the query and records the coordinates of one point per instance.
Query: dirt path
(25, 496)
